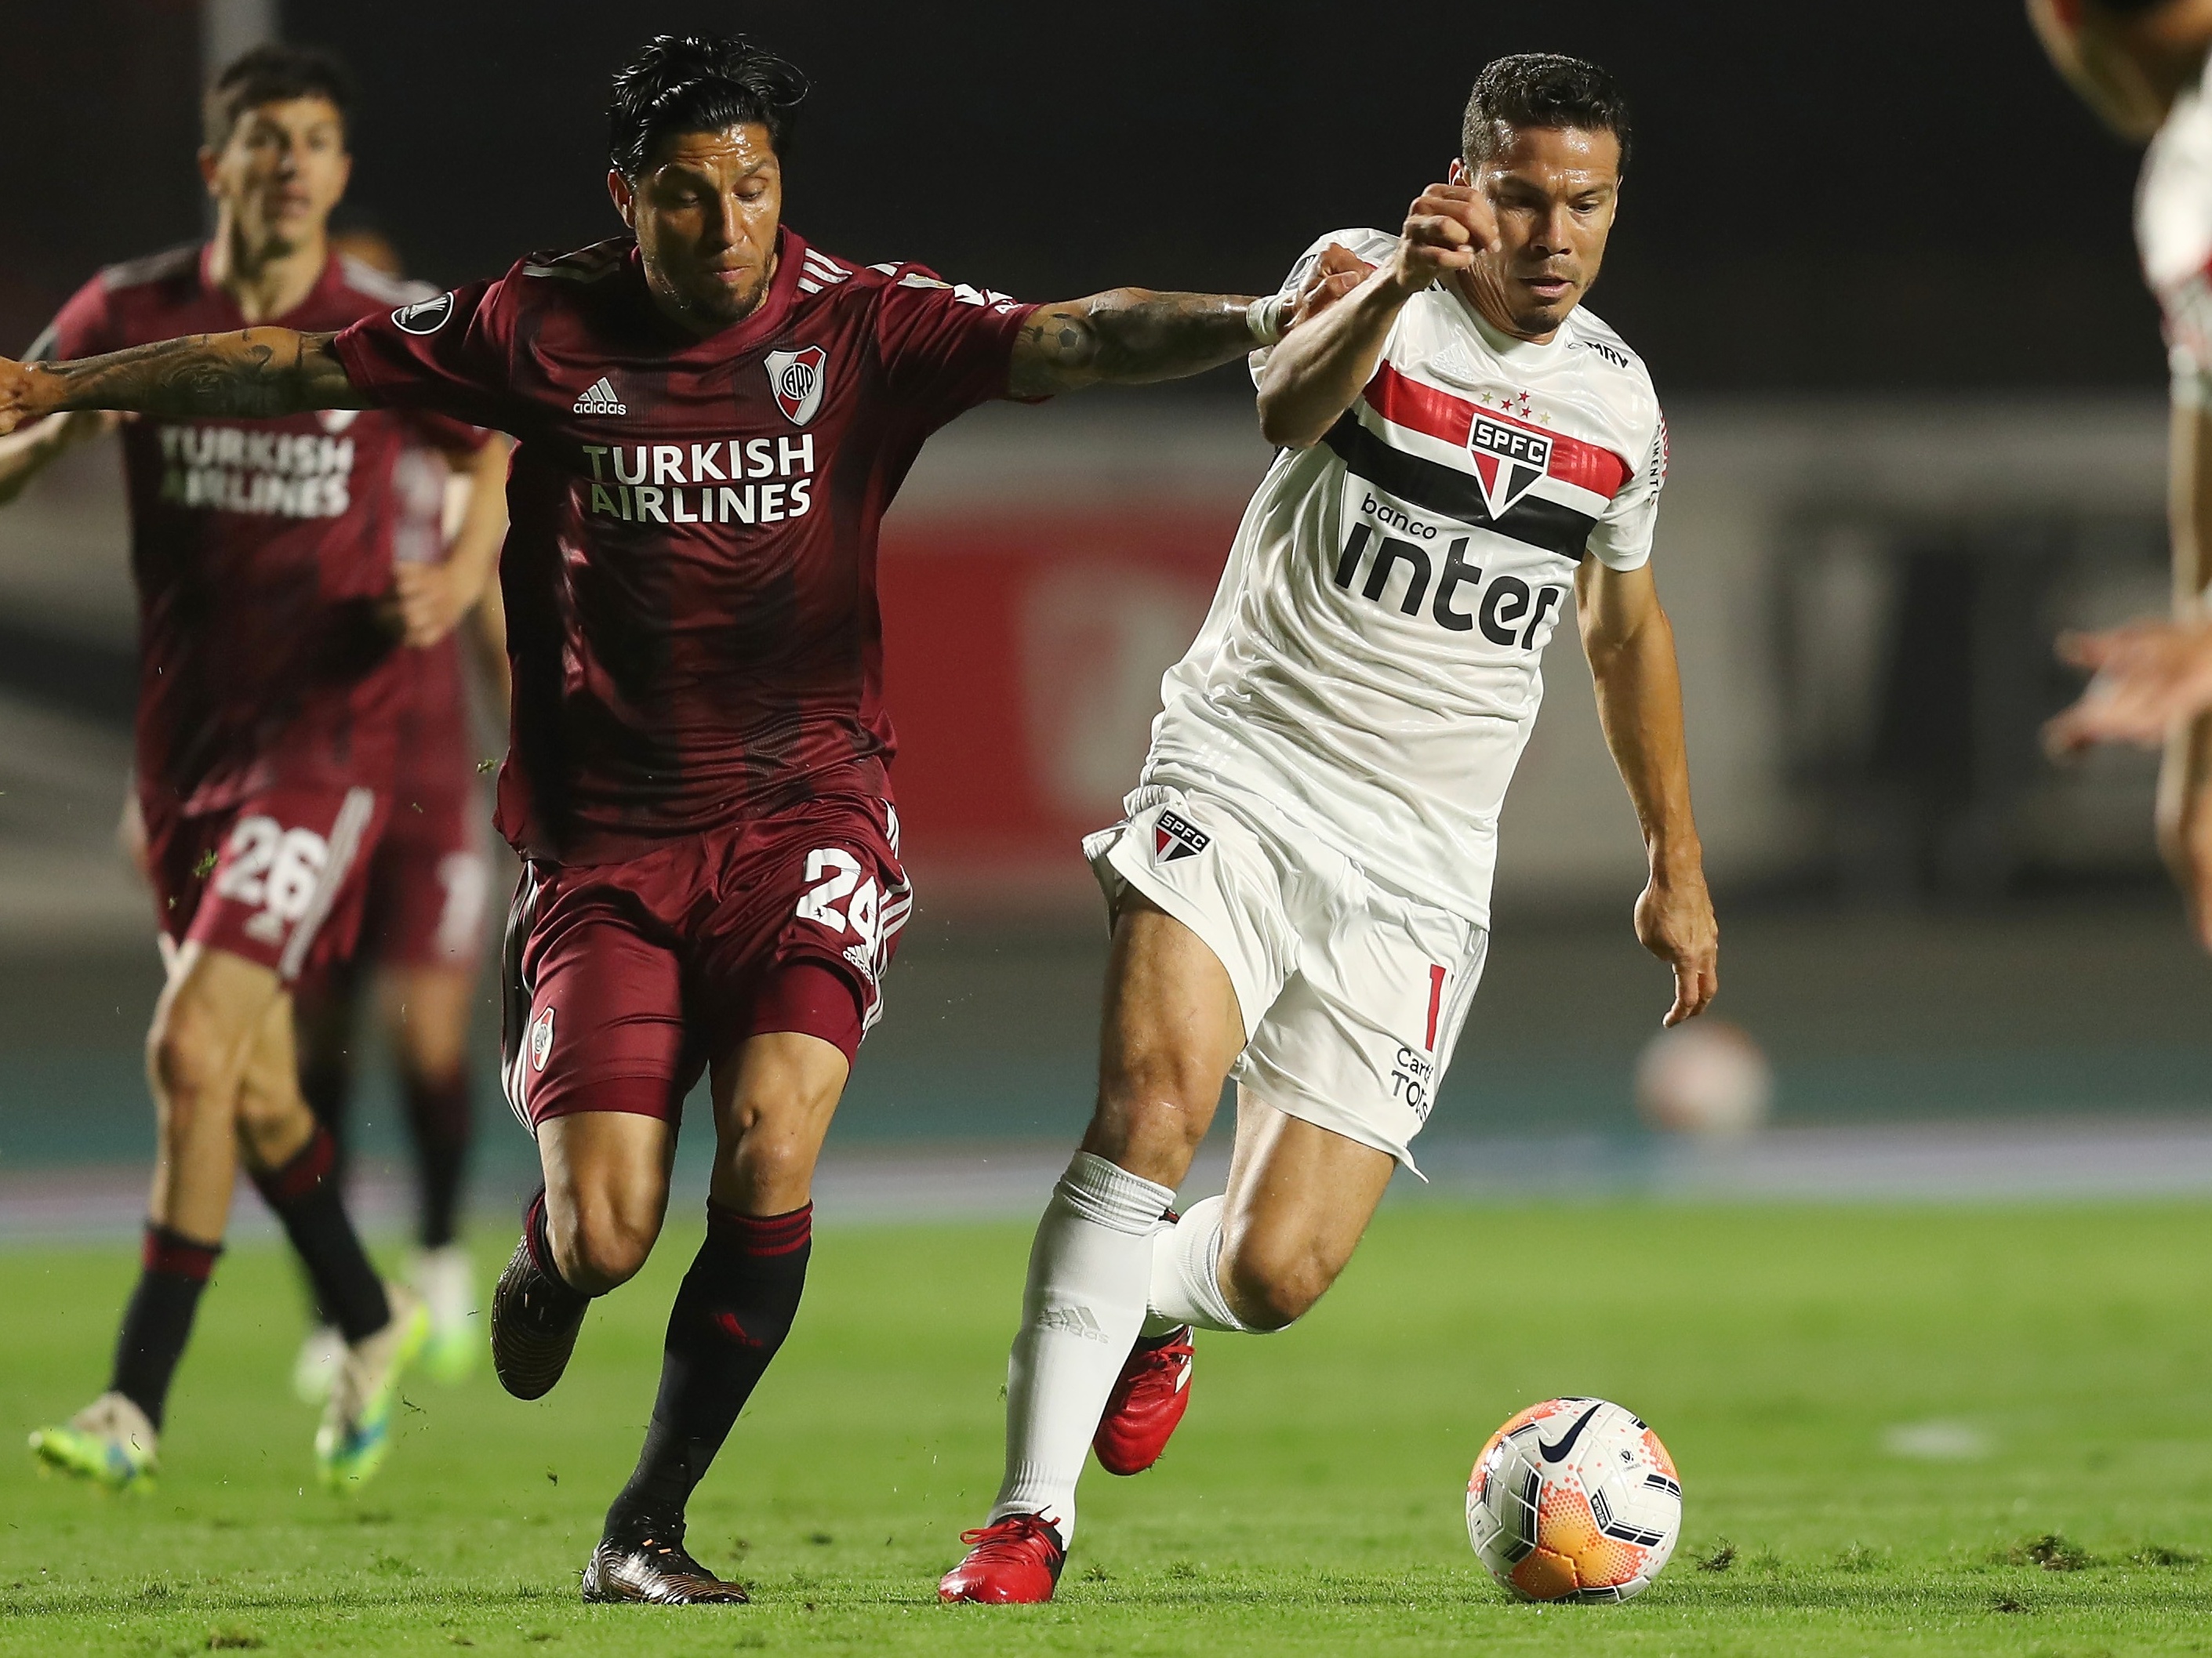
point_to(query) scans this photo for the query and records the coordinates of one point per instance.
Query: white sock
(1080, 1314)
(1186, 1285)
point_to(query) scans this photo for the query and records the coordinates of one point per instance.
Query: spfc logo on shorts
(796, 377)
(1508, 462)
(541, 1039)
(1175, 836)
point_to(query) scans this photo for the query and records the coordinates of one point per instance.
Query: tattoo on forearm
(1129, 335)
(255, 374)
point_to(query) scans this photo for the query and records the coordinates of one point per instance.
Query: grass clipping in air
(1312, 1503)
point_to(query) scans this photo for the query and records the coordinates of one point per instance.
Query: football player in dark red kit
(270, 662)
(712, 417)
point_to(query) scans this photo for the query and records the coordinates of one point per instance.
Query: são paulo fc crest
(541, 1039)
(796, 377)
(1175, 836)
(1508, 462)
(424, 316)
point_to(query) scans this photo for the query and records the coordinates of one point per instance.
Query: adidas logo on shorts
(1175, 836)
(601, 399)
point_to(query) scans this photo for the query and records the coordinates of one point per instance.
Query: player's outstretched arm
(255, 374)
(1314, 375)
(1631, 647)
(1129, 336)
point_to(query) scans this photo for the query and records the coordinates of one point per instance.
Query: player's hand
(1447, 226)
(1335, 274)
(21, 398)
(431, 602)
(2147, 675)
(1674, 921)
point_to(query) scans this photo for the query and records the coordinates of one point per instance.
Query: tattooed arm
(1127, 336)
(255, 374)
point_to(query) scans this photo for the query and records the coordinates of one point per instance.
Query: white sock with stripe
(1089, 1271)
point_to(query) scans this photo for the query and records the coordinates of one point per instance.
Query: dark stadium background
(1875, 255)
(1875, 196)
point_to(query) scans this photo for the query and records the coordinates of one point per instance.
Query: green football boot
(445, 1279)
(110, 1443)
(356, 1430)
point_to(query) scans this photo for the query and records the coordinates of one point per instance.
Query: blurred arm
(1630, 647)
(433, 598)
(24, 454)
(255, 374)
(2185, 782)
(1127, 336)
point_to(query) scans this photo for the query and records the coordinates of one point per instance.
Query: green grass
(1312, 1502)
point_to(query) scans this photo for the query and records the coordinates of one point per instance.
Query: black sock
(554, 1303)
(159, 1320)
(327, 1085)
(437, 1111)
(304, 1193)
(730, 1317)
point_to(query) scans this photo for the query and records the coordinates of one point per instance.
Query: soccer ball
(1574, 1500)
(1704, 1077)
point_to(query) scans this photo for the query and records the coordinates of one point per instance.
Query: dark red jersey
(690, 578)
(261, 549)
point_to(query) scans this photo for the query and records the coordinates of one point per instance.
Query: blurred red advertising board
(1022, 654)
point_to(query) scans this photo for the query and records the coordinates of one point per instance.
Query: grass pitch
(1900, 1431)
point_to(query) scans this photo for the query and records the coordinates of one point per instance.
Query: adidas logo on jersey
(1175, 836)
(601, 399)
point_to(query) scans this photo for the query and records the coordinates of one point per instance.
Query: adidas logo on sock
(599, 400)
(1074, 1322)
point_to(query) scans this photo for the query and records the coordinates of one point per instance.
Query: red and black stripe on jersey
(1536, 520)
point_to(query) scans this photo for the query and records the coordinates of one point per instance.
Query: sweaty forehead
(1555, 153)
(729, 151)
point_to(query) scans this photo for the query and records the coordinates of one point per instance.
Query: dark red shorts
(279, 880)
(428, 880)
(623, 980)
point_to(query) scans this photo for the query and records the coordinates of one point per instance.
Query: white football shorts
(1352, 996)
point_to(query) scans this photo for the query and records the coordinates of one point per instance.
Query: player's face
(280, 172)
(1554, 190)
(705, 211)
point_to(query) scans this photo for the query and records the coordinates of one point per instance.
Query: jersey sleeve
(1622, 537)
(945, 347)
(83, 328)
(1372, 246)
(449, 356)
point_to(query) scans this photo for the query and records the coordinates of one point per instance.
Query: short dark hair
(269, 74)
(1541, 90)
(698, 83)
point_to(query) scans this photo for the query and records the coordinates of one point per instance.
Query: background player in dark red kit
(270, 679)
(712, 418)
(422, 934)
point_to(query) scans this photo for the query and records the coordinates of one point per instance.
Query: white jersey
(2173, 234)
(1371, 662)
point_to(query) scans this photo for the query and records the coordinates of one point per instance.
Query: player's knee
(1159, 1109)
(603, 1249)
(190, 1057)
(1272, 1289)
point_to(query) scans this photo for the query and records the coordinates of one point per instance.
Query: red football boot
(1015, 1563)
(1148, 1401)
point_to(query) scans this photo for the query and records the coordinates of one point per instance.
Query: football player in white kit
(2142, 65)
(1300, 892)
